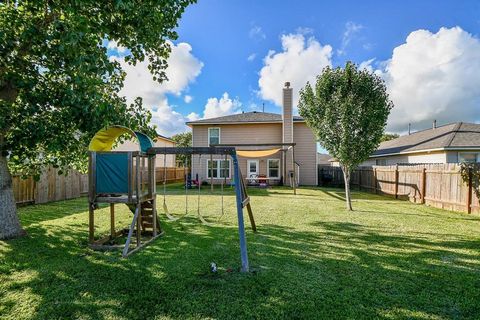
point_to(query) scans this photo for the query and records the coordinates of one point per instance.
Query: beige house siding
(160, 142)
(305, 152)
(423, 157)
(235, 134)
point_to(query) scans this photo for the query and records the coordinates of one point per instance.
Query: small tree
(347, 110)
(183, 140)
(389, 136)
(470, 173)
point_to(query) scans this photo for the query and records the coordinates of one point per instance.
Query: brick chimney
(287, 117)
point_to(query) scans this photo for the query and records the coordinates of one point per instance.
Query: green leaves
(348, 111)
(470, 173)
(183, 140)
(57, 83)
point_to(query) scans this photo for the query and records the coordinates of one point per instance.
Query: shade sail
(257, 153)
(105, 138)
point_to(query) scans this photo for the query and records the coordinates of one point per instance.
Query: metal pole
(211, 172)
(241, 226)
(294, 171)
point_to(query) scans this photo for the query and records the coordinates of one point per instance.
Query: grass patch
(388, 259)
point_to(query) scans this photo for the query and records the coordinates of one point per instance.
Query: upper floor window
(468, 157)
(213, 136)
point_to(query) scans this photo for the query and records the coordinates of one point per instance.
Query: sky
(233, 56)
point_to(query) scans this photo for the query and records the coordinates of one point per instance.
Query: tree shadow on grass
(54, 210)
(335, 270)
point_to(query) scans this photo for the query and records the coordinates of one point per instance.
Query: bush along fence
(54, 187)
(436, 185)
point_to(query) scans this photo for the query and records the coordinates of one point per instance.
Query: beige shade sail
(257, 153)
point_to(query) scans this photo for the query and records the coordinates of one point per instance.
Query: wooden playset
(128, 177)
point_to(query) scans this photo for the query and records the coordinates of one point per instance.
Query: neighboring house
(160, 141)
(323, 159)
(451, 143)
(333, 162)
(258, 128)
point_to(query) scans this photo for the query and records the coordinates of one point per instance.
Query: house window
(221, 169)
(213, 136)
(468, 157)
(273, 168)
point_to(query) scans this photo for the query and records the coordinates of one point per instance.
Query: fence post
(469, 192)
(360, 179)
(375, 180)
(396, 181)
(424, 185)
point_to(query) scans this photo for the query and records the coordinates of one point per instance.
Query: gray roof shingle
(454, 135)
(254, 116)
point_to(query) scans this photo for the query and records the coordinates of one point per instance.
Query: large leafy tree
(348, 111)
(58, 85)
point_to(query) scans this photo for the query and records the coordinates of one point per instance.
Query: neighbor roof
(323, 158)
(164, 138)
(452, 136)
(246, 117)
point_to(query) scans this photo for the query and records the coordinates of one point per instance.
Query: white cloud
(351, 29)
(304, 30)
(192, 116)
(367, 65)
(252, 57)
(168, 121)
(256, 33)
(300, 61)
(434, 76)
(183, 68)
(187, 98)
(221, 107)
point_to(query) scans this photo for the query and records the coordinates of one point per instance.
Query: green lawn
(312, 259)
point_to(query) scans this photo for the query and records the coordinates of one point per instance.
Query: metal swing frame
(242, 198)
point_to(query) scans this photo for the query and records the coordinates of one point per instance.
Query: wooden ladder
(146, 215)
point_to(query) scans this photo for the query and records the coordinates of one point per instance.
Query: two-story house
(279, 139)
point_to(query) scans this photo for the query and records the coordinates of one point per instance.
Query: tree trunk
(346, 177)
(9, 224)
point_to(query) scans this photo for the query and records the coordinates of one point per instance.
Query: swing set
(128, 177)
(198, 187)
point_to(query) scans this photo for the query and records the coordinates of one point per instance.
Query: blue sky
(216, 39)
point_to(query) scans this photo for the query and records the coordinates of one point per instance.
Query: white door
(252, 171)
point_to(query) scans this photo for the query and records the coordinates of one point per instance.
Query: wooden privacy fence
(174, 174)
(54, 187)
(50, 187)
(437, 185)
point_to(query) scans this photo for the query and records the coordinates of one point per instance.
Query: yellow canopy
(256, 153)
(105, 138)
